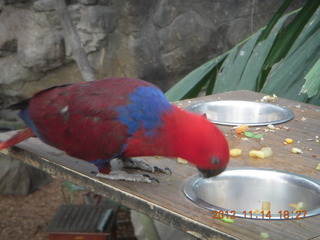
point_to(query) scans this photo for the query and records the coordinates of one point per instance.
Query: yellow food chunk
(297, 206)
(236, 152)
(296, 150)
(266, 206)
(256, 211)
(182, 161)
(289, 140)
(263, 153)
(272, 127)
(255, 153)
(269, 98)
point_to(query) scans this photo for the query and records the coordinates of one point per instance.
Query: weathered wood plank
(166, 202)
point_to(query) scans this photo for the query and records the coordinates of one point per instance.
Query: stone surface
(19, 178)
(13, 71)
(43, 5)
(159, 41)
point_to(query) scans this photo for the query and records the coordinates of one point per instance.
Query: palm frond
(275, 60)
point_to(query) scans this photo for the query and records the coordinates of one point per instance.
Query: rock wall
(18, 178)
(156, 40)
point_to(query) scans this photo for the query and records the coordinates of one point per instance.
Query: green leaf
(288, 36)
(227, 219)
(253, 135)
(233, 67)
(287, 77)
(253, 68)
(222, 84)
(312, 84)
(274, 20)
(280, 59)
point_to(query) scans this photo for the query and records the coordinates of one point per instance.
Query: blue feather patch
(24, 114)
(147, 104)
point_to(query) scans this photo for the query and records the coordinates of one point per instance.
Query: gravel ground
(27, 217)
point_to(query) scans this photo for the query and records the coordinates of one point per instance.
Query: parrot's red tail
(18, 137)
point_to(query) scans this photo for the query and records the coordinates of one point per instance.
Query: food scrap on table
(269, 98)
(253, 135)
(182, 161)
(289, 140)
(296, 150)
(235, 152)
(272, 127)
(303, 118)
(318, 167)
(263, 153)
(264, 235)
(297, 206)
(265, 208)
(227, 219)
(241, 128)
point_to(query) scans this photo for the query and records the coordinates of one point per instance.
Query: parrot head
(200, 142)
(211, 152)
(216, 155)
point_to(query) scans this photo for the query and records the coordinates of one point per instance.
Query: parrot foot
(142, 165)
(122, 175)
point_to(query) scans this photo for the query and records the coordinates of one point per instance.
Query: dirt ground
(27, 217)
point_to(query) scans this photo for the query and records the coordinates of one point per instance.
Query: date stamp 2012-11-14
(283, 214)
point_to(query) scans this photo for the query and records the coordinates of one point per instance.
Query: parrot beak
(207, 173)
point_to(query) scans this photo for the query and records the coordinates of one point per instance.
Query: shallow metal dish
(240, 191)
(243, 112)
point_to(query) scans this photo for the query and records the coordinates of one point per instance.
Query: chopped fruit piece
(236, 152)
(263, 153)
(227, 219)
(296, 151)
(272, 127)
(289, 140)
(182, 161)
(241, 129)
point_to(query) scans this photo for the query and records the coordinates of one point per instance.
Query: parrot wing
(81, 119)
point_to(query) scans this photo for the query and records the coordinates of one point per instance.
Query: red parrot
(120, 118)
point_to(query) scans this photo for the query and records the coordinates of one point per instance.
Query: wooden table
(166, 202)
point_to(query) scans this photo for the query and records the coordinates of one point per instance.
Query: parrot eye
(215, 161)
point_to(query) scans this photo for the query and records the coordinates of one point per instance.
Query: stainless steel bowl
(243, 112)
(244, 193)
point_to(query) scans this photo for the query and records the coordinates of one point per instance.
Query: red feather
(84, 120)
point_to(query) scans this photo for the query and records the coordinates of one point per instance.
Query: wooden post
(72, 37)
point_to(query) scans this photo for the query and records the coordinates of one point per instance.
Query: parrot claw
(122, 175)
(162, 170)
(142, 165)
(151, 178)
(168, 169)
